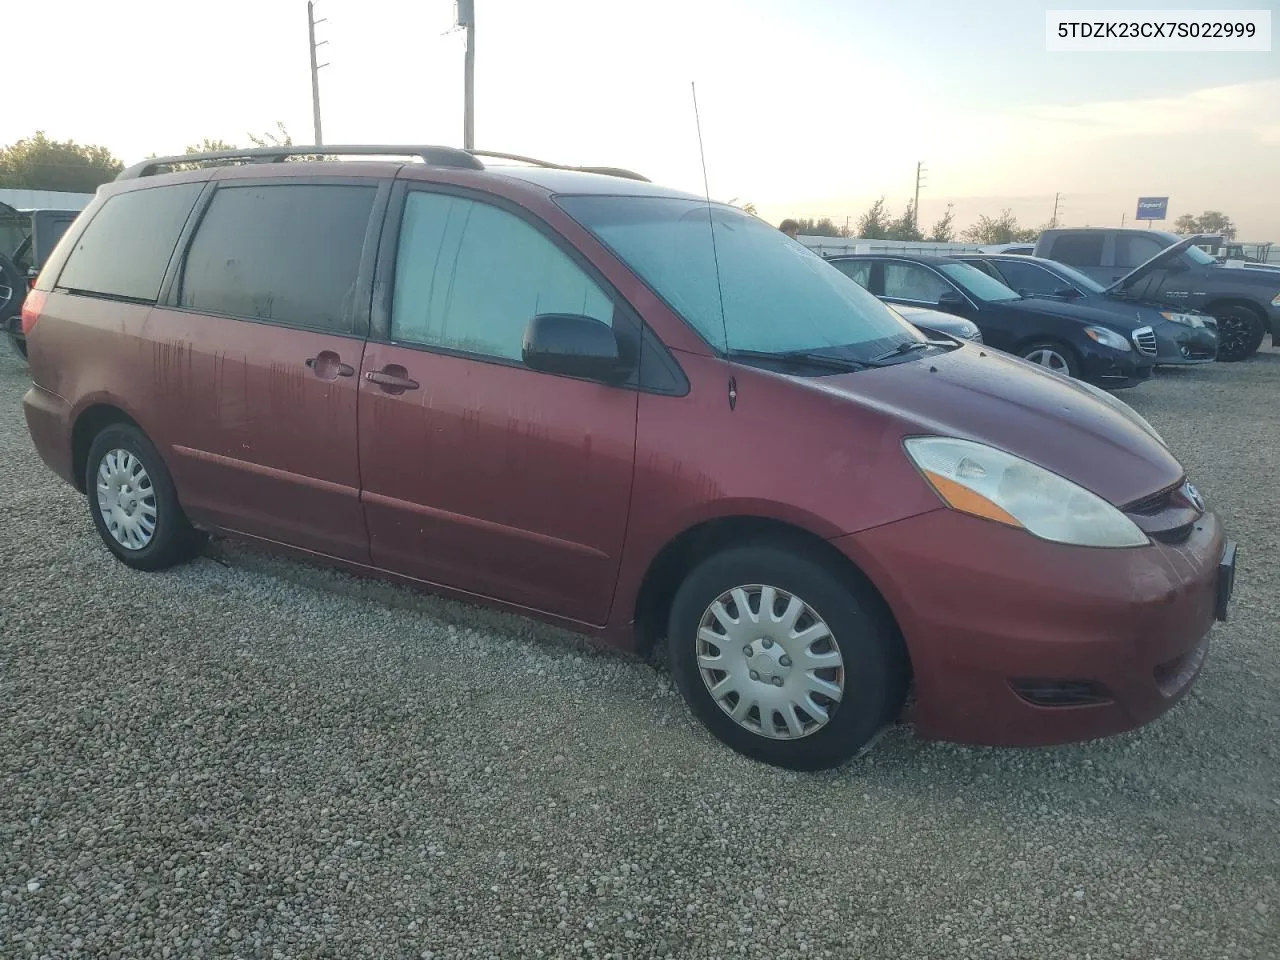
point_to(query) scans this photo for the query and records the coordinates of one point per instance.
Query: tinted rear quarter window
(285, 253)
(1078, 249)
(125, 249)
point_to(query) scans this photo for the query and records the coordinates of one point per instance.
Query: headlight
(984, 482)
(1186, 319)
(1275, 301)
(1120, 407)
(1108, 338)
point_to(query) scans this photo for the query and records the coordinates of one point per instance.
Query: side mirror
(1067, 293)
(574, 346)
(951, 301)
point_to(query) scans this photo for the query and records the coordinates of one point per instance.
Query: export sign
(1152, 208)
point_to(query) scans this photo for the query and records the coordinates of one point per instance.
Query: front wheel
(133, 501)
(1052, 355)
(783, 660)
(1240, 332)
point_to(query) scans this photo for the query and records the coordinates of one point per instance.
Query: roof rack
(605, 171)
(436, 156)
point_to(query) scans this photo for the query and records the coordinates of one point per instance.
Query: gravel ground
(256, 758)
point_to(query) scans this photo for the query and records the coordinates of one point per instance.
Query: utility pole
(1053, 221)
(915, 207)
(467, 18)
(315, 69)
(1122, 216)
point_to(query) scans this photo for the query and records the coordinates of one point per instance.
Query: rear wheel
(1240, 331)
(783, 660)
(1052, 355)
(133, 501)
(19, 345)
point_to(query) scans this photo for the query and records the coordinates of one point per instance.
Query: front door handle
(327, 365)
(392, 378)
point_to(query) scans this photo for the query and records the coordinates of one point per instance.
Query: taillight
(31, 310)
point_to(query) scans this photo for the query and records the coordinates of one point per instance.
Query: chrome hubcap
(126, 499)
(1050, 360)
(770, 662)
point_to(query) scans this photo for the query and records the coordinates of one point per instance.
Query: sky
(808, 107)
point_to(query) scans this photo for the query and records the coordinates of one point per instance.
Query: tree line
(38, 163)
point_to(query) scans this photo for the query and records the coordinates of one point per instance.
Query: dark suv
(634, 413)
(1156, 266)
(27, 237)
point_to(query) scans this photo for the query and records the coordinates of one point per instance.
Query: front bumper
(989, 612)
(1180, 345)
(1114, 370)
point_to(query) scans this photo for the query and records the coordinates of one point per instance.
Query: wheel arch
(669, 566)
(88, 423)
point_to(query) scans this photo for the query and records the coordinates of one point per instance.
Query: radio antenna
(715, 256)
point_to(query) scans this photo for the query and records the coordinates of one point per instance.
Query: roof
(574, 181)
(914, 257)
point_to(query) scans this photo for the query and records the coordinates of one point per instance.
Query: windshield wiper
(906, 346)
(806, 359)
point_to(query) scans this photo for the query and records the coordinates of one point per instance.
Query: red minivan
(634, 413)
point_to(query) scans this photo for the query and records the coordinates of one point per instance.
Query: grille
(1144, 338)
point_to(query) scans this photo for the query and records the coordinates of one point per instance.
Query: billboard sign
(1152, 208)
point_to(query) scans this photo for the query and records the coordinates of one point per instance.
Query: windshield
(779, 296)
(976, 283)
(1198, 256)
(1081, 280)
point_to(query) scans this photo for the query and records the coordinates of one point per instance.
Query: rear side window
(470, 276)
(284, 253)
(1078, 249)
(910, 281)
(859, 271)
(126, 247)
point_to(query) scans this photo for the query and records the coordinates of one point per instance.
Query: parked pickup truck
(27, 237)
(1158, 266)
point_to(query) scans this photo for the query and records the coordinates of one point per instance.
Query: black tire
(1240, 331)
(875, 671)
(173, 540)
(1073, 368)
(19, 345)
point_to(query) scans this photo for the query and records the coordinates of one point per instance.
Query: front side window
(125, 249)
(470, 276)
(754, 290)
(977, 284)
(1031, 280)
(1131, 250)
(285, 253)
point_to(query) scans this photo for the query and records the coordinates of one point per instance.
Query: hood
(1250, 265)
(1105, 316)
(997, 399)
(947, 323)
(1160, 259)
